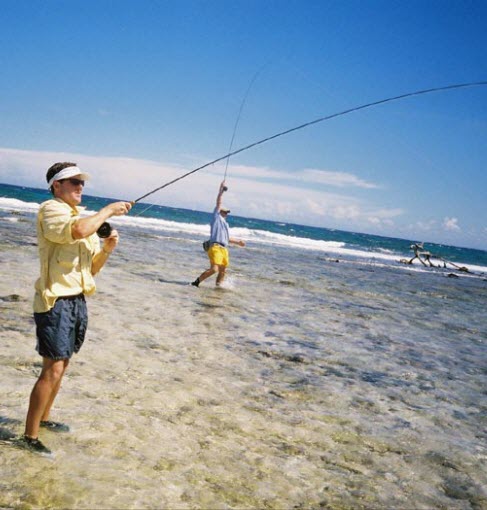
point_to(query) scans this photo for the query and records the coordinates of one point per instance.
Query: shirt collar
(75, 211)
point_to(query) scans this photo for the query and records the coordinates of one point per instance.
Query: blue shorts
(61, 331)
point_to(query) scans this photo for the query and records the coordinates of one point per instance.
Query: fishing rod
(316, 121)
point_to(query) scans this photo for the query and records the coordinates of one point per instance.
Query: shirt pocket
(68, 257)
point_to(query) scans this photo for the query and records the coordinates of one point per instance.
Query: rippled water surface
(305, 382)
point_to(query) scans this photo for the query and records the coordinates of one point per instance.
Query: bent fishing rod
(106, 229)
(306, 124)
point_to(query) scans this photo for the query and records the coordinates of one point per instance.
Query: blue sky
(139, 92)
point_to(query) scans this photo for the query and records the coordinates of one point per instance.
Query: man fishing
(219, 242)
(70, 257)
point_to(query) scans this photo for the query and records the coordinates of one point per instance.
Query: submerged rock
(12, 298)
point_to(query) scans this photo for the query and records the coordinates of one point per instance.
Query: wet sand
(304, 383)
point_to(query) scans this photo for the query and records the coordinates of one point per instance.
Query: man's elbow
(78, 231)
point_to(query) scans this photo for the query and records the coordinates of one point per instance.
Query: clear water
(304, 383)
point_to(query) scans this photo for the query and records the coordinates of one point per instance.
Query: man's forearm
(85, 227)
(220, 194)
(99, 261)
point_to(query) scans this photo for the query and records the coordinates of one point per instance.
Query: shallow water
(303, 383)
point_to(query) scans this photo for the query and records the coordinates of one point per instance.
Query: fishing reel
(225, 188)
(105, 230)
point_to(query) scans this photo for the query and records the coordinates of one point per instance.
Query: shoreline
(186, 223)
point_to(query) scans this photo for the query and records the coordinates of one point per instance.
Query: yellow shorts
(218, 255)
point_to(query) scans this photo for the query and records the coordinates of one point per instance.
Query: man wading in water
(219, 241)
(70, 256)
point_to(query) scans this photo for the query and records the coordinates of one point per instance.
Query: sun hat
(66, 173)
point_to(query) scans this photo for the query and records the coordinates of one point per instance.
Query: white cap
(66, 173)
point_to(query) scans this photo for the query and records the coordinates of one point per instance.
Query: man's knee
(53, 370)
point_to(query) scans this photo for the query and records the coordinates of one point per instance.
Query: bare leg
(206, 274)
(47, 411)
(44, 393)
(221, 275)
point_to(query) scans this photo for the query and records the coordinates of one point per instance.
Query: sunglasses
(75, 182)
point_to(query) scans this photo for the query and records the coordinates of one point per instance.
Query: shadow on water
(6, 434)
(185, 283)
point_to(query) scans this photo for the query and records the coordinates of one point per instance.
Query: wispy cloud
(424, 226)
(338, 179)
(254, 192)
(306, 176)
(451, 224)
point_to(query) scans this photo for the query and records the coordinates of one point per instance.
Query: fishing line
(316, 121)
(242, 104)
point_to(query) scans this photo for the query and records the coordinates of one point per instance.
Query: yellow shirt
(65, 261)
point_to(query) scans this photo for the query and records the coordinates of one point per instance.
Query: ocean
(323, 374)
(336, 243)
